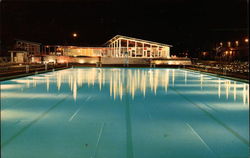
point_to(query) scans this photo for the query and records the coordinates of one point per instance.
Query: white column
(167, 52)
(113, 49)
(158, 54)
(154, 54)
(127, 48)
(120, 47)
(12, 57)
(116, 48)
(151, 51)
(135, 48)
(143, 55)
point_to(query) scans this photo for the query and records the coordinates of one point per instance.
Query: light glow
(237, 43)
(246, 40)
(81, 61)
(74, 35)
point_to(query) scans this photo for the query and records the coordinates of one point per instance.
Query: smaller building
(24, 51)
(231, 51)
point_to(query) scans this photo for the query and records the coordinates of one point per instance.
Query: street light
(74, 38)
(246, 40)
(237, 43)
(74, 34)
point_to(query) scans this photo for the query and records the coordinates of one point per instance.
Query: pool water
(124, 113)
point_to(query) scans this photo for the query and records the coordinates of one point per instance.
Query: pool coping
(30, 74)
(218, 75)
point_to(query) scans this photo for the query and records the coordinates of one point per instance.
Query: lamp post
(74, 35)
(237, 43)
(246, 40)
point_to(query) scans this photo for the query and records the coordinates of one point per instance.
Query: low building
(117, 47)
(231, 51)
(117, 50)
(24, 51)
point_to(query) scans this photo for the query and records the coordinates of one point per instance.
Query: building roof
(28, 41)
(136, 39)
(20, 51)
(76, 47)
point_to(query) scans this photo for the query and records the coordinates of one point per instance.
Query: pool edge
(218, 75)
(29, 74)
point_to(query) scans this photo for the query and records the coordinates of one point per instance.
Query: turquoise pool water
(124, 113)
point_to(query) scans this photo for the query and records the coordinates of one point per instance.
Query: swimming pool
(124, 113)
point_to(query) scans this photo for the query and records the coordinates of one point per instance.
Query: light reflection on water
(141, 81)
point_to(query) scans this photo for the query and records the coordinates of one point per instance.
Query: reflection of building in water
(34, 82)
(122, 81)
(47, 83)
(185, 77)
(228, 85)
(235, 90)
(219, 89)
(173, 77)
(59, 80)
(201, 80)
(245, 93)
(119, 80)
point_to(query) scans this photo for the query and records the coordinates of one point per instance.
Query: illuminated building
(119, 46)
(117, 50)
(235, 50)
(23, 51)
(122, 46)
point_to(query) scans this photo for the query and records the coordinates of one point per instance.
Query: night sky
(185, 24)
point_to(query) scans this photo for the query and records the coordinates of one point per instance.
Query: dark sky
(185, 24)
